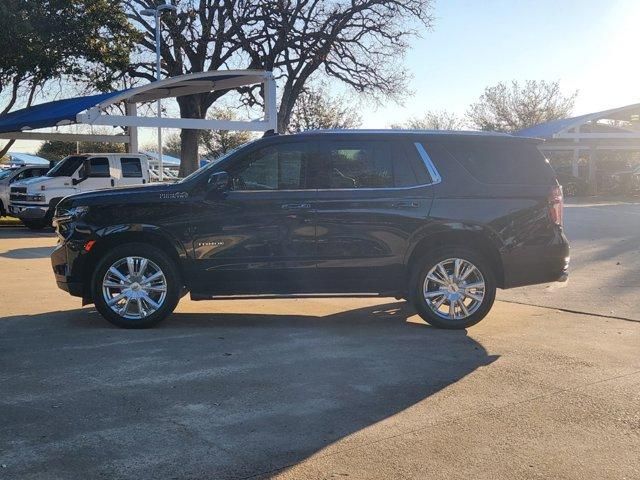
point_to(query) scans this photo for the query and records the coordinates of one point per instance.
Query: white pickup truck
(34, 200)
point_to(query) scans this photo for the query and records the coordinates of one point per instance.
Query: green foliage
(57, 150)
(46, 39)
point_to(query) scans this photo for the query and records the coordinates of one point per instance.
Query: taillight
(556, 205)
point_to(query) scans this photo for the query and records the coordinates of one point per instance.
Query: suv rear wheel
(454, 288)
(136, 286)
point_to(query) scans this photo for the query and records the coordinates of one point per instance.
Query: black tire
(430, 261)
(35, 224)
(161, 260)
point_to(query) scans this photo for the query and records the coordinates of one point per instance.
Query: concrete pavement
(312, 389)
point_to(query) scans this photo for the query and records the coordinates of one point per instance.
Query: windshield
(66, 167)
(206, 168)
(6, 173)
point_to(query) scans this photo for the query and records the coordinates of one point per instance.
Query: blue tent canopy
(50, 114)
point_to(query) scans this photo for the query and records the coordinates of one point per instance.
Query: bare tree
(434, 120)
(317, 109)
(202, 36)
(358, 42)
(509, 108)
(219, 142)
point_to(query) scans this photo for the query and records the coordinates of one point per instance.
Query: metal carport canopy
(90, 110)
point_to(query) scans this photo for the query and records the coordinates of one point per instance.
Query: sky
(588, 45)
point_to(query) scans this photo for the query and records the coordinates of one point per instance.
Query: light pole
(156, 12)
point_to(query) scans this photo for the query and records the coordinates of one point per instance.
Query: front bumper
(68, 261)
(28, 211)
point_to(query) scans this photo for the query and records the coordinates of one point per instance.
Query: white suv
(9, 176)
(33, 201)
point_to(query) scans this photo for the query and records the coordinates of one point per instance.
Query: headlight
(77, 212)
(72, 213)
(35, 198)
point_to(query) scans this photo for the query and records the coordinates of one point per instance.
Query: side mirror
(219, 181)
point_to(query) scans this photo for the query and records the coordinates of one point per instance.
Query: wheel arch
(122, 234)
(475, 239)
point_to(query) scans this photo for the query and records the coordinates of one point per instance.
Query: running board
(267, 296)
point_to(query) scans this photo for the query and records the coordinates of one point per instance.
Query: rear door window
(358, 164)
(413, 162)
(131, 167)
(502, 162)
(99, 167)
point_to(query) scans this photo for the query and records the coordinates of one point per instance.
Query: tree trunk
(6, 148)
(189, 156)
(190, 107)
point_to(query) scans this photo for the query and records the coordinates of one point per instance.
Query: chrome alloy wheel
(454, 289)
(134, 287)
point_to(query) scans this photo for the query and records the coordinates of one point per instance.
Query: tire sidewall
(157, 256)
(427, 262)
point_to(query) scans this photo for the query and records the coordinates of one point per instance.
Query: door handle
(295, 206)
(407, 204)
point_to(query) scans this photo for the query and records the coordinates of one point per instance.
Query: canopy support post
(132, 146)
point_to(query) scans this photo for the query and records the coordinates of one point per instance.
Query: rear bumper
(537, 264)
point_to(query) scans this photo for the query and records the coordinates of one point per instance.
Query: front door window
(281, 167)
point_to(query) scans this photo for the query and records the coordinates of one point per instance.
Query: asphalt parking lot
(320, 389)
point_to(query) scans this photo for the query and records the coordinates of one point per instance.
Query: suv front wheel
(136, 286)
(453, 288)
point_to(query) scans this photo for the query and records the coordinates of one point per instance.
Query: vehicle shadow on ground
(27, 252)
(19, 231)
(212, 395)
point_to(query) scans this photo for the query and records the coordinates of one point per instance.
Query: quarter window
(131, 168)
(359, 165)
(99, 167)
(503, 162)
(280, 167)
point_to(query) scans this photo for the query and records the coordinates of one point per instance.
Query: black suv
(441, 219)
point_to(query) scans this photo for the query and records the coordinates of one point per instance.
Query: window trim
(431, 168)
(424, 156)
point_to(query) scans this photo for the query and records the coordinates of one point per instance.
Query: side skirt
(201, 296)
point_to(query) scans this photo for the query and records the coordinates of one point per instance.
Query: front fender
(138, 231)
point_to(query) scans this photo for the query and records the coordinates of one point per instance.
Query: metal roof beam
(189, 123)
(598, 136)
(65, 137)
